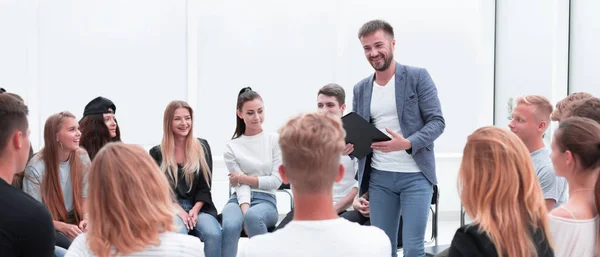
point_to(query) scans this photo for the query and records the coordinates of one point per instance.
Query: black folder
(361, 134)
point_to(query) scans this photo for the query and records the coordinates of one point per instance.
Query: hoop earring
(61, 145)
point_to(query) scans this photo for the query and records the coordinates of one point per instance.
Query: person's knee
(179, 225)
(232, 223)
(211, 235)
(253, 216)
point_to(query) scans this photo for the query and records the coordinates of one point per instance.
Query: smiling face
(379, 49)
(252, 113)
(524, 123)
(182, 122)
(68, 134)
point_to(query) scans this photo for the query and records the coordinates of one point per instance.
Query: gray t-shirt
(553, 187)
(34, 174)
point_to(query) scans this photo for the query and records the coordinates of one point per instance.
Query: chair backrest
(436, 196)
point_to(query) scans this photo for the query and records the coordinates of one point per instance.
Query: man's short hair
(311, 146)
(334, 90)
(558, 113)
(13, 115)
(587, 108)
(373, 26)
(543, 108)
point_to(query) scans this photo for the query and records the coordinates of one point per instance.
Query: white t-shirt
(342, 188)
(385, 115)
(323, 238)
(259, 156)
(171, 244)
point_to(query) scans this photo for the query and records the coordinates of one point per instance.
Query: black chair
(435, 249)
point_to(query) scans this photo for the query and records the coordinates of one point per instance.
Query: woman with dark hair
(576, 157)
(56, 176)
(99, 125)
(253, 158)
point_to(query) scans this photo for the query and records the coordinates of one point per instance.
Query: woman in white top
(56, 176)
(576, 156)
(252, 158)
(130, 209)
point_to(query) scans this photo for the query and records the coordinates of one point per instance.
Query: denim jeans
(207, 229)
(393, 192)
(261, 215)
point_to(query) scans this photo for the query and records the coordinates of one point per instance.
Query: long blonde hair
(129, 201)
(499, 188)
(194, 151)
(51, 188)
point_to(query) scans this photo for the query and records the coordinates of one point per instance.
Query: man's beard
(386, 63)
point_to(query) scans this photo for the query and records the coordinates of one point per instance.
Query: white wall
(531, 52)
(585, 54)
(144, 53)
(286, 51)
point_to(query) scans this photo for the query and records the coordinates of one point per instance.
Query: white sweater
(171, 244)
(258, 156)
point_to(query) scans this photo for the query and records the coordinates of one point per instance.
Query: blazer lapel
(400, 90)
(367, 96)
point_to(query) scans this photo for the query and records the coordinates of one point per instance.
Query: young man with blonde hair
(530, 120)
(310, 148)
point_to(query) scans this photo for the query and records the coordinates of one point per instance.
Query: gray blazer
(419, 113)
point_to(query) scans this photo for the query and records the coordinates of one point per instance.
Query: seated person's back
(25, 225)
(499, 188)
(170, 244)
(334, 237)
(310, 147)
(130, 209)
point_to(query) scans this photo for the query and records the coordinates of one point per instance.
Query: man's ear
(543, 125)
(340, 174)
(284, 177)
(18, 140)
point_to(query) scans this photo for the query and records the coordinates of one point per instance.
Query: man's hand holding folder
(361, 135)
(398, 143)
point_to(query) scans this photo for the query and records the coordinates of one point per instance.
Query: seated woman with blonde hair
(130, 209)
(499, 188)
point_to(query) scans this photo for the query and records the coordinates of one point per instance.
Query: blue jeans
(261, 215)
(207, 229)
(392, 192)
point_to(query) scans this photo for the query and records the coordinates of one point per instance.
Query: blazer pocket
(412, 99)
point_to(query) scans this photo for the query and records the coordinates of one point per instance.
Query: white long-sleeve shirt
(258, 156)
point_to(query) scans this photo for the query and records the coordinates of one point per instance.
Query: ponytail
(245, 95)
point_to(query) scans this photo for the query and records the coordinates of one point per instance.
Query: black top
(26, 227)
(469, 241)
(200, 191)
